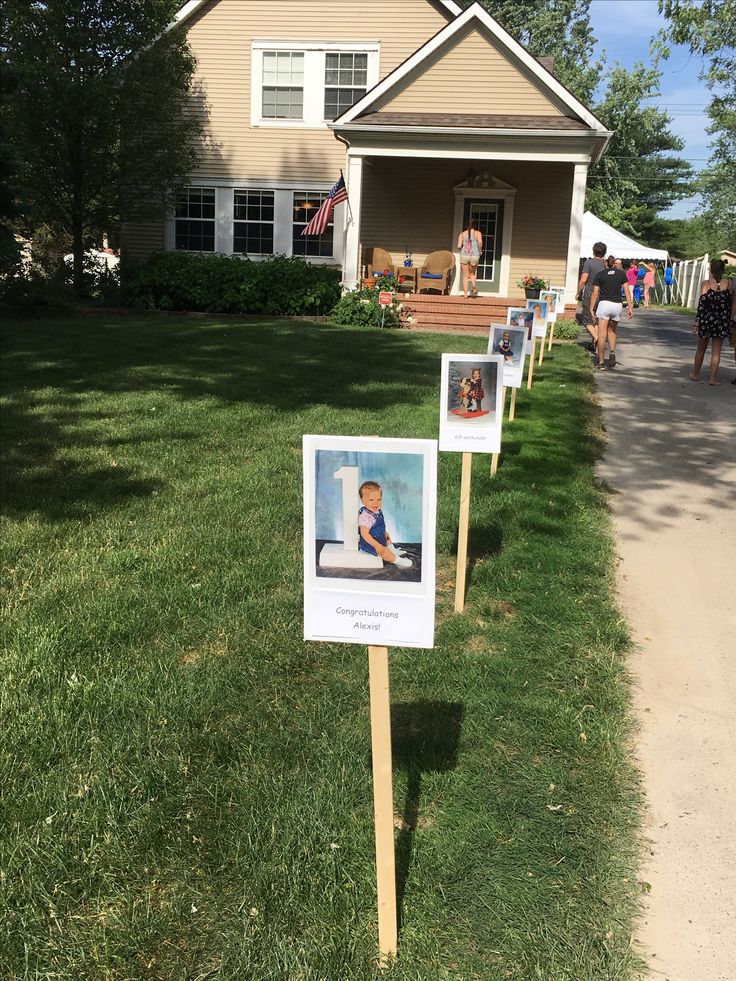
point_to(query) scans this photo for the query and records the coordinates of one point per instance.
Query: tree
(639, 175)
(708, 27)
(99, 116)
(9, 211)
(558, 29)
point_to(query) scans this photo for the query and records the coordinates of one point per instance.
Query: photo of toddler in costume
(373, 536)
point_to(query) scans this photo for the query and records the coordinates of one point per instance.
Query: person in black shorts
(590, 270)
(606, 305)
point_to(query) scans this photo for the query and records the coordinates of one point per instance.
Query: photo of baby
(510, 343)
(373, 534)
(521, 317)
(368, 516)
(370, 507)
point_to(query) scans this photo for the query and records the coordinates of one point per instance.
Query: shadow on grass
(269, 362)
(51, 369)
(425, 737)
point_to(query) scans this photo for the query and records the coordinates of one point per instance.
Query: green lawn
(186, 789)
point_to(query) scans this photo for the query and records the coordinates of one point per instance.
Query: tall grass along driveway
(186, 788)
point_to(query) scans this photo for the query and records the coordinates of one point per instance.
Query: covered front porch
(529, 212)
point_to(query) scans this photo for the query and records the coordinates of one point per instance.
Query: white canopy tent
(617, 244)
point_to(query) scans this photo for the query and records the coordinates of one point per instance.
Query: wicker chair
(442, 265)
(379, 261)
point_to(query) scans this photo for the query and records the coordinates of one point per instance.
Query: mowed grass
(186, 789)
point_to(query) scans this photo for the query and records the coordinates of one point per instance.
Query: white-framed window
(194, 221)
(346, 78)
(306, 204)
(253, 221)
(256, 218)
(305, 83)
(282, 91)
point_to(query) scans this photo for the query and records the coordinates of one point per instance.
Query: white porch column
(577, 210)
(351, 254)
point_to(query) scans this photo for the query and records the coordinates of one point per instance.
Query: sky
(624, 29)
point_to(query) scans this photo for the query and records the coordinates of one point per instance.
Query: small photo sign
(550, 298)
(470, 403)
(539, 313)
(369, 540)
(510, 343)
(521, 317)
(560, 306)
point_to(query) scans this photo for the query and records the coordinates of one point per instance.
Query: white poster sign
(510, 343)
(539, 313)
(369, 540)
(550, 298)
(470, 403)
(560, 306)
(521, 317)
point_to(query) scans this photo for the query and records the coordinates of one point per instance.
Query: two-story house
(434, 114)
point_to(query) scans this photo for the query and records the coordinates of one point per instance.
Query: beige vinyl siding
(410, 203)
(473, 76)
(139, 239)
(220, 36)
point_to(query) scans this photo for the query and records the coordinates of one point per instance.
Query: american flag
(318, 224)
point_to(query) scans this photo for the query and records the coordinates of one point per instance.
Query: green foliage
(9, 165)
(99, 117)
(567, 330)
(360, 308)
(282, 286)
(708, 27)
(532, 282)
(638, 175)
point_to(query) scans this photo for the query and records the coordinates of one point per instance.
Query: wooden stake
(530, 373)
(541, 349)
(494, 464)
(551, 336)
(462, 533)
(383, 803)
(512, 405)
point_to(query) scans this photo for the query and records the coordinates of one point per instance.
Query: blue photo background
(401, 476)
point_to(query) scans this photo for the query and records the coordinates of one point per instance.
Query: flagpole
(347, 200)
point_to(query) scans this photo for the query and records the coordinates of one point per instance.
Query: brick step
(441, 320)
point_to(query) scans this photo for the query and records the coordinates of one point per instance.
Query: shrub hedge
(281, 286)
(567, 330)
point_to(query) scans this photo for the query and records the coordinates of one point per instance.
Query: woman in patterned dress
(713, 320)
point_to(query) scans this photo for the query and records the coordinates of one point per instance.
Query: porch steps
(455, 314)
(458, 315)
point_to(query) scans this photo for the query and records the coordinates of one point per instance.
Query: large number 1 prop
(335, 555)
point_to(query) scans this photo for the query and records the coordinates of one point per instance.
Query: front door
(488, 217)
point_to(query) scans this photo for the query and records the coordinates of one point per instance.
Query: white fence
(688, 274)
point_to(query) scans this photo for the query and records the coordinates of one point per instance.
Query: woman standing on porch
(470, 245)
